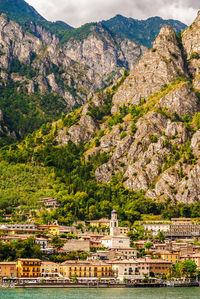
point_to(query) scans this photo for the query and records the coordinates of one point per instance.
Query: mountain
(21, 12)
(134, 146)
(148, 123)
(140, 31)
(36, 65)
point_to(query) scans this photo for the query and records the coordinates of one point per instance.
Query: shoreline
(102, 286)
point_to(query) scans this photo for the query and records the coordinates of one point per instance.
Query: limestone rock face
(181, 100)
(160, 153)
(190, 40)
(195, 143)
(102, 53)
(74, 70)
(81, 132)
(157, 67)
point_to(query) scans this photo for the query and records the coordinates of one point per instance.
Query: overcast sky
(78, 12)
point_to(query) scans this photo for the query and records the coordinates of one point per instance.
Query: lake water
(163, 293)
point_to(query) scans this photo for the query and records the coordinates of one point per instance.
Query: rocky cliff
(151, 134)
(74, 70)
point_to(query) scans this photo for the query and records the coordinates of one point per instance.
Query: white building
(155, 227)
(125, 269)
(116, 239)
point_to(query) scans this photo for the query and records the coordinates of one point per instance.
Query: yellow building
(86, 269)
(49, 269)
(100, 223)
(7, 269)
(170, 256)
(29, 268)
(54, 230)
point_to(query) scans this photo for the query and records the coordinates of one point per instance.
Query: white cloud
(78, 12)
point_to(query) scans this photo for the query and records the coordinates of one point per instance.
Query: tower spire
(114, 223)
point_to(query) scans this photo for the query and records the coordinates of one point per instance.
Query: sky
(79, 12)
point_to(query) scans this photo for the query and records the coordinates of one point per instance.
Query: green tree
(57, 242)
(186, 268)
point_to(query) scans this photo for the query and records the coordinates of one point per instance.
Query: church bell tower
(114, 223)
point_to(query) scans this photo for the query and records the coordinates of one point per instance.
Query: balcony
(26, 271)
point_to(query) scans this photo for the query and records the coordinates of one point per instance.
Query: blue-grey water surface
(158, 293)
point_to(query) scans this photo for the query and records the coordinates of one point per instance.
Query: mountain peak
(19, 10)
(140, 31)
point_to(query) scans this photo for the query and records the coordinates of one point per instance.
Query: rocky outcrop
(81, 132)
(102, 53)
(157, 67)
(195, 143)
(73, 71)
(190, 40)
(181, 100)
(162, 157)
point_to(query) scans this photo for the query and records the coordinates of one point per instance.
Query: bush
(123, 135)
(133, 128)
(154, 138)
(194, 55)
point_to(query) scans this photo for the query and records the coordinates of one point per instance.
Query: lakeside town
(101, 252)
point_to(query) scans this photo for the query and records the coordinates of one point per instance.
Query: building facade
(155, 227)
(50, 269)
(28, 268)
(85, 269)
(8, 270)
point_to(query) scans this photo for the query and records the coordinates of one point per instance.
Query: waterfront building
(196, 258)
(28, 268)
(155, 266)
(85, 269)
(50, 269)
(124, 269)
(8, 270)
